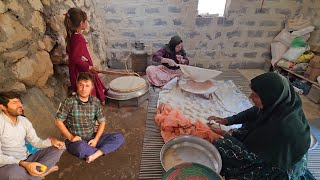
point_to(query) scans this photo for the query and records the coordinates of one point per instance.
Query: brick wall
(239, 40)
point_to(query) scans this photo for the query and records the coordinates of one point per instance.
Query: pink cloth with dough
(173, 123)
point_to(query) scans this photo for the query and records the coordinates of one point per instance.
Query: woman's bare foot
(94, 156)
(52, 169)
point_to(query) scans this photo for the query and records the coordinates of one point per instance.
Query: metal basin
(187, 148)
(126, 96)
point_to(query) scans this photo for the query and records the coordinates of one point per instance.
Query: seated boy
(76, 120)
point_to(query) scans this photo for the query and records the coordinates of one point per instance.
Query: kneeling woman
(275, 137)
(169, 56)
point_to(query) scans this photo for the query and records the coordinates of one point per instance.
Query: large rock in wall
(40, 110)
(33, 59)
(34, 71)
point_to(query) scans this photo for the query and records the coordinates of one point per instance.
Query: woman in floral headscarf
(169, 56)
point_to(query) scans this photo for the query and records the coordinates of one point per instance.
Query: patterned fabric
(239, 163)
(163, 53)
(160, 75)
(79, 117)
(168, 51)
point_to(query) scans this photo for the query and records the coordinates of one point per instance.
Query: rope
(127, 59)
(125, 64)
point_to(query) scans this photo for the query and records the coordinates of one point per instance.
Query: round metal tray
(188, 148)
(126, 96)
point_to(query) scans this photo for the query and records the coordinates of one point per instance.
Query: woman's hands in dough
(218, 120)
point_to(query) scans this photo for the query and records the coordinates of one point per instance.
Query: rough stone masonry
(33, 59)
(241, 39)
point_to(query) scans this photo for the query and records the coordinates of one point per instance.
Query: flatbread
(127, 84)
(197, 87)
(201, 86)
(199, 74)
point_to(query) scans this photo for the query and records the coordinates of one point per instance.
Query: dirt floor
(124, 163)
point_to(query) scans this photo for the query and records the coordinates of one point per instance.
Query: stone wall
(241, 39)
(33, 60)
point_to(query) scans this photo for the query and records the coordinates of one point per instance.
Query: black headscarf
(170, 49)
(282, 133)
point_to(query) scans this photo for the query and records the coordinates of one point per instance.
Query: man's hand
(58, 144)
(93, 142)
(31, 167)
(218, 120)
(75, 138)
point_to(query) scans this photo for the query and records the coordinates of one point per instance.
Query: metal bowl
(188, 148)
(126, 96)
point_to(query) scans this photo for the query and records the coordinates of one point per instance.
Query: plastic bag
(285, 64)
(294, 53)
(305, 57)
(297, 42)
(300, 68)
(306, 37)
(303, 31)
(277, 51)
(298, 22)
(284, 37)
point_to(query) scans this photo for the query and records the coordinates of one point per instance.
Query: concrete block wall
(241, 39)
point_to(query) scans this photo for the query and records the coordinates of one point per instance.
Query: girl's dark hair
(72, 21)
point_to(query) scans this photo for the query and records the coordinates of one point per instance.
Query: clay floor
(124, 163)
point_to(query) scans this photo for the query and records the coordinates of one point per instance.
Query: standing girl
(79, 57)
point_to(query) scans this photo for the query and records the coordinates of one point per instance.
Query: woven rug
(150, 167)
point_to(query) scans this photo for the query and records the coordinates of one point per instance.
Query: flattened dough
(127, 84)
(197, 87)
